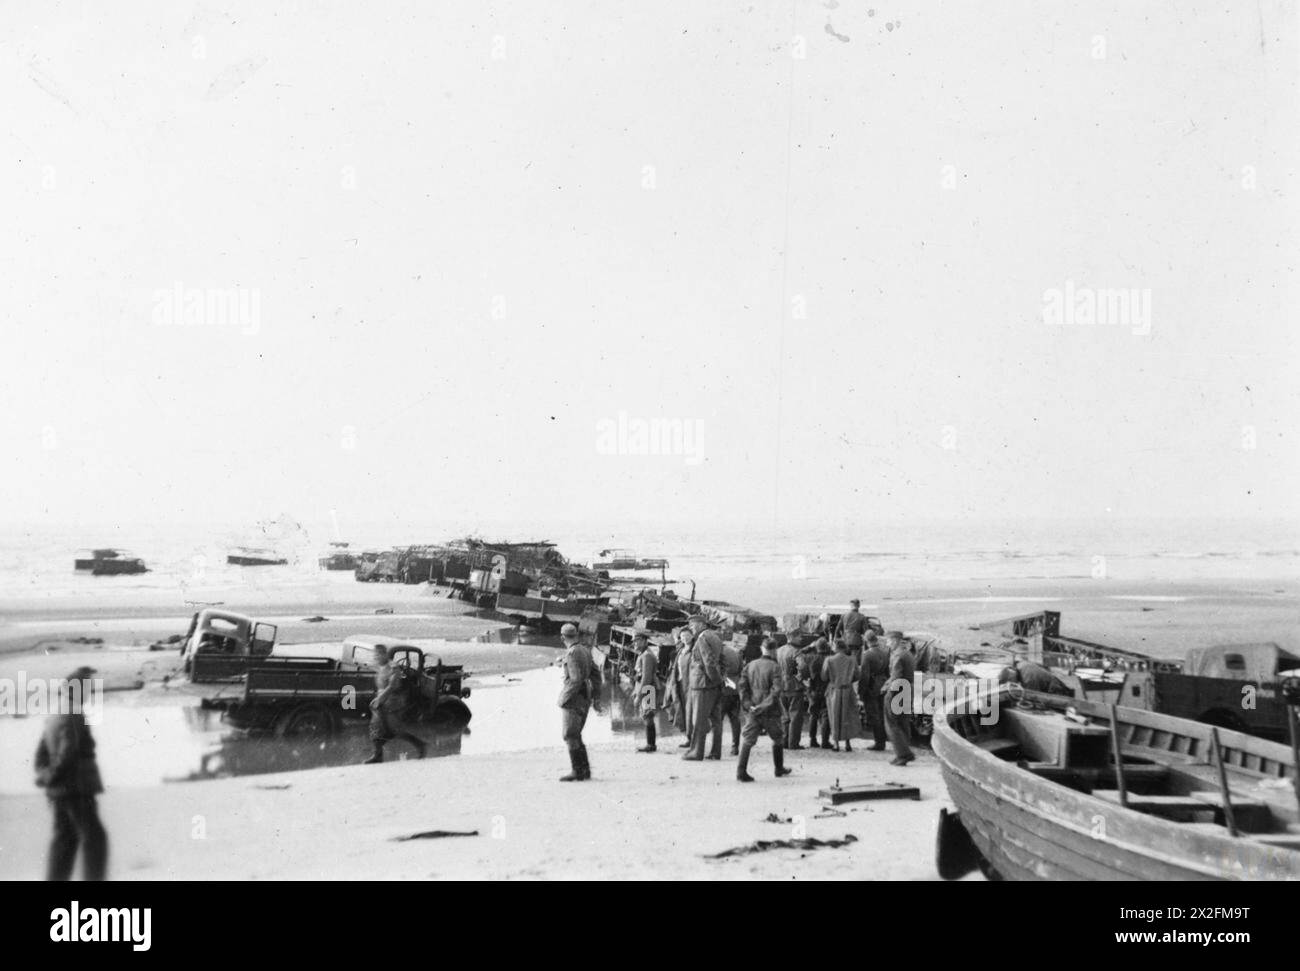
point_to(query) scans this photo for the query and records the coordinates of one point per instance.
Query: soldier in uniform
(579, 694)
(817, 694)
(1034, 677)
(840, 672)
(647, 688)
(729, 707)
(681, 677)
(875, 672)
(792, 693)
(706, 690)
(853, 627)
(388, 708)
(760, 697)
(66, 769)
(897, 697)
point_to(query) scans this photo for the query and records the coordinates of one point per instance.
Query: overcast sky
(468, 238)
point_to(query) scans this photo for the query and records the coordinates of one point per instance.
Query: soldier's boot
(715, 746)
(649, 738)
(584, 764)
(742, 766)
(848, 746)
(377, 755)
(695, 753)
(778, 761)
(575, 774)
(826, 734)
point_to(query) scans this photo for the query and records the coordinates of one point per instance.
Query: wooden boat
(1038, 794)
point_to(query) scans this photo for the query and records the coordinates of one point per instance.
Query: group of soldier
(708, 684)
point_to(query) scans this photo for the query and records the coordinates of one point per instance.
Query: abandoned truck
(1234, 686)
(294, 696)
(221, 645)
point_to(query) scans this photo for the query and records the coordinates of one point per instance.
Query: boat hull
(1031, 828)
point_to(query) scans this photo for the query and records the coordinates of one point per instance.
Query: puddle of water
(148, 744)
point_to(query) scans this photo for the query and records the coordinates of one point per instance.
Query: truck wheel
(451, 711)
(305, 720)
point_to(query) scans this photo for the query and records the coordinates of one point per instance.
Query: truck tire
(307, 720)
(451, 711)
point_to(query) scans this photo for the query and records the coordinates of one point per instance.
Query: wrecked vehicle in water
(319, 695)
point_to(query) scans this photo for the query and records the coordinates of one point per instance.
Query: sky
(447, 263)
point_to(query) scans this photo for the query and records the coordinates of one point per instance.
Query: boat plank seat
(1179, 808)
(1003, 748)
(1087, 778)
(1251, 815)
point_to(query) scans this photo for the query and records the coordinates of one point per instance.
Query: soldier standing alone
(66, 769)
(580, 693)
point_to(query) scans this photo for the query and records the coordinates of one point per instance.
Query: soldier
(853, 627)
(682, 685)
(579, 694)
(66, 769)
(1034, 677)
(647, 688)
(388, 708)
(760, 697)
(839, 673)
(729, 707)
(706, 690)
(816, 693)
(897, 697)
(875, 672)
(792, 693)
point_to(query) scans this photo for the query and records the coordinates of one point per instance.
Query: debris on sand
(318, 619)
(829, 812)
(888, 790)
(383, 610)
(762, 846)
(273, 788)
(774, 818)
(435, 834)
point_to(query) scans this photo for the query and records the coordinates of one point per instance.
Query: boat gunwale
(952, 749)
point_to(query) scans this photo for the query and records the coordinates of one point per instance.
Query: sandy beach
(643, 815)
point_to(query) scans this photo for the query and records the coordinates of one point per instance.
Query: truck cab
(221, 644)
(1233, 686)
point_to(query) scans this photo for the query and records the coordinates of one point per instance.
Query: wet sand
(644, 816)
